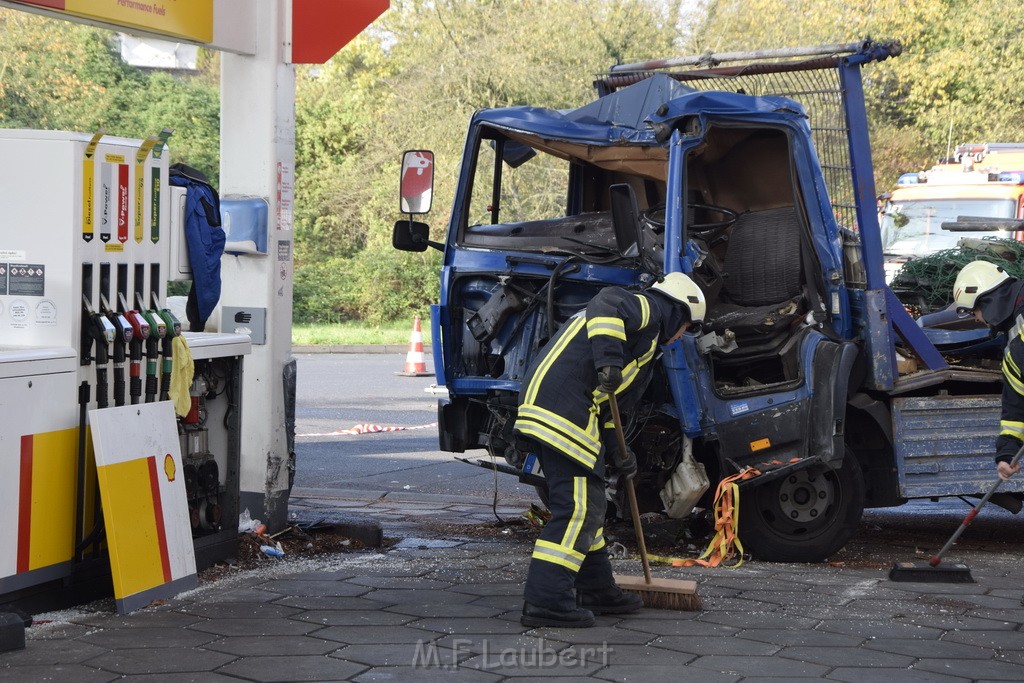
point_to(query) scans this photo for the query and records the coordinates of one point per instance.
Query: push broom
(673, 594)
(933, 571)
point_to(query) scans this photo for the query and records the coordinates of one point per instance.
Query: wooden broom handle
(620, 435)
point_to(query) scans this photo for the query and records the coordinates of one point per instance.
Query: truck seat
(762, 294)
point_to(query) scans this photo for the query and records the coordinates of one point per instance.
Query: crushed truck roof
(635, 115)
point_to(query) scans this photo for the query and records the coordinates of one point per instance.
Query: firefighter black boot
(534, 615)
(610, 600)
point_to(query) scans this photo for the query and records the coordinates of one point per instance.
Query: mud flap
(833, 364)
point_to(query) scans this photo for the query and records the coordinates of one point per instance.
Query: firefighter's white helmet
(681, 288)
(975, 279)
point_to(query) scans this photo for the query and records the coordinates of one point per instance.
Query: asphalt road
(338, 391)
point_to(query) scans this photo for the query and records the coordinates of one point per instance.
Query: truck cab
(771, 211)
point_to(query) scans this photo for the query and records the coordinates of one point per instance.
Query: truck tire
(806, 516)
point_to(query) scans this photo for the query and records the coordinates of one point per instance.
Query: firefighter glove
(626, 464)
(609, 378)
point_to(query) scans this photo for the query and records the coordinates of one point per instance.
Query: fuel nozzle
(140, 334)
(101, 331)
(172, 330)
(122, 338)
(157, 331)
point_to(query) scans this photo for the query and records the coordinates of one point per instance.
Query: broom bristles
(672, 594)
(679, 602)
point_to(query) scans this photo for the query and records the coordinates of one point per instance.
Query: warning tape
(367, 428)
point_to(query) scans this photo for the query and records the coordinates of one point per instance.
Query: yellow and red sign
(189, 19)
(46, 499)
(144, 504)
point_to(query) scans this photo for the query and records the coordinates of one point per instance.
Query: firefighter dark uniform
(564, 413)
(1011, 423)
(1003, 309)
(986, 288)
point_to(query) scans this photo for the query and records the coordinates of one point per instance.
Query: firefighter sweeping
(609, 348)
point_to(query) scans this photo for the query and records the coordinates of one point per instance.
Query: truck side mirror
(625, 220)
(417, 186)
(410, 236)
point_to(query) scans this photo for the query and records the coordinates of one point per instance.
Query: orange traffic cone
(414, 363)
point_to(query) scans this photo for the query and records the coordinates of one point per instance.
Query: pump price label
(89, 187)
(107, 200)
(154, 206)
(154, 201)
(122, 203)
(140, 183)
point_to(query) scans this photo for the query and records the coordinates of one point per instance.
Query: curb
(354, 348)
(12, 632)
(380, 495)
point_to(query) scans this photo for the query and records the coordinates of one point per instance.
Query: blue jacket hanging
(205, 238)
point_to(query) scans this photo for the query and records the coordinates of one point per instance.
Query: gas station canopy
(319, 28)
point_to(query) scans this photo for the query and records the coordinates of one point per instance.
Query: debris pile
(298, 539)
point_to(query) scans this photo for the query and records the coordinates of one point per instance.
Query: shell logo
(169, 469)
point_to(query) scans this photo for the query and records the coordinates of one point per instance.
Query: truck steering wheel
(655, 219)
(712, 229)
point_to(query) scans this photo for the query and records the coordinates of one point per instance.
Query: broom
(673, 594)
(934, 571)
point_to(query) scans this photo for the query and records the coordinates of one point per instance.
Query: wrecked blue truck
(752, 173)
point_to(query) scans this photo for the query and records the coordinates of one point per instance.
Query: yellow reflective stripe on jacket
(648, 355)
(1007, 358)
(1013, 380)
(1011, 428)
(645, 311)
(579, 512)
(558, 554)
(573, 328)
(611, 327)
(629, 373)
(590, 436)
(598, 540)
(1018, 329)
(557, 441)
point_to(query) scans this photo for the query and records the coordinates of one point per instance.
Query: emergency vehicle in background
(983, 180)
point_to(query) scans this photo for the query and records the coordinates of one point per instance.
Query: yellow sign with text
(189, 19)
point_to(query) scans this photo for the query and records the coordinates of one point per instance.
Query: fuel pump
(140, 332)
(157, 331)
(123, 334)
(70, 327)
(173, 327)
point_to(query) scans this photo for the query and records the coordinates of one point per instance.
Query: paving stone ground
(443, 605)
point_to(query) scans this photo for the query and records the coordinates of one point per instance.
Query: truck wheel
(805, 516)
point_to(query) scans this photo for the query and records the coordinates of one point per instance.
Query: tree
(56, 75)
(413, 81)
(957, 78)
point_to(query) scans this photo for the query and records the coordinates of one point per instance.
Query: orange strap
(726, 544)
